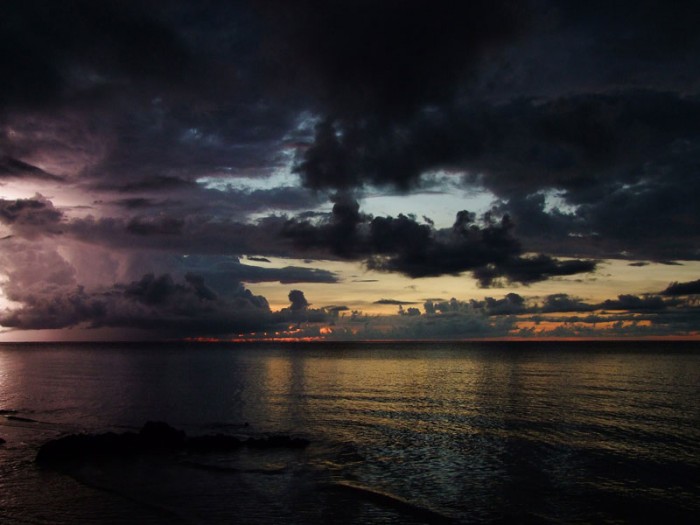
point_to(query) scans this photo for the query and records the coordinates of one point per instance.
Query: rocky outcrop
(156, 437)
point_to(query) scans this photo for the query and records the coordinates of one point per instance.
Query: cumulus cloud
(633, 302)
(31, 218)
(402, 244)
(686, 288)
(556, 315)
(565, 303)
(413, 326)
(151, 303)
(299, 302)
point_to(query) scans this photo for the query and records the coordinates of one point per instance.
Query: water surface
(478, 433)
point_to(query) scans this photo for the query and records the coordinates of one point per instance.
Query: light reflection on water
(528, 432)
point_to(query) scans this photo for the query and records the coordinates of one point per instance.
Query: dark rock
(158, 435)
(82, 447)
(154, 437)
(2, 441)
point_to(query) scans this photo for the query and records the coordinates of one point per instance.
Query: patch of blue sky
(440, 196)
(279, 177)
(555, 200)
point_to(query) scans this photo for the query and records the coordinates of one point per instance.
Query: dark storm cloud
(56, 50)
(155, 226)
(31, 218)
(633, 302)
(564, 303)
(163, 97)
(173, 92)
(155, 109)
(137, 203)
(134, 203)
(401, 244)
(391, 57)
(220, 272)
(198, 234)
(287, 198)
(394, 302)
(612, 155)
(686, 288)
(530, 269)
(258, 259)
(156, 183)
(16, 169)
(613, 145)
(160, 290)
(152, 303)
(643, 30)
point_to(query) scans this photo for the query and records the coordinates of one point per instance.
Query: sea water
(400, 432)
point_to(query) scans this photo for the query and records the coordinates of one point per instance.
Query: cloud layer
(178, 138)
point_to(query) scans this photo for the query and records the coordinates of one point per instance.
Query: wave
(391, 500)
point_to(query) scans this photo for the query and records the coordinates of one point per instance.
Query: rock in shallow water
(154, 437)
(157, 435)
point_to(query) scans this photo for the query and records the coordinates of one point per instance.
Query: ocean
(400, 433)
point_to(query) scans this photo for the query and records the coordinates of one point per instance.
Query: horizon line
(290, 341)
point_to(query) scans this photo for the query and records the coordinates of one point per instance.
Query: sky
(349, 170)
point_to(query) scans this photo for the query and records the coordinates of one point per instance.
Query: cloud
(155, 226)
(611, 156)
(565, 303)
(360, 93)
(15, 168)
(403, 245)
(686, 288)
(394, 302)
(220, 270)
(361, 57)
(633, 302)
(514, 315)
(300, 311)
(47, 56)
(511, 304)
(299, 302)
(31, 218)
(413, 326)
(581, 121)
(151, 303)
